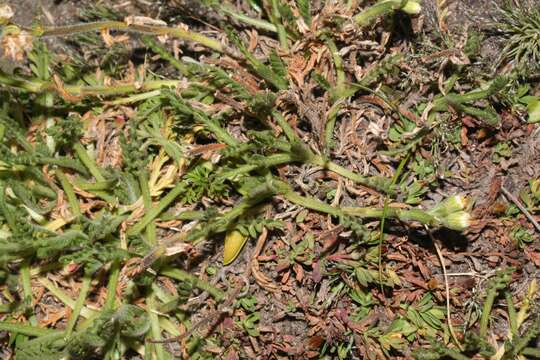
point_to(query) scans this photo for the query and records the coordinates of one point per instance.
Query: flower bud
(448, 206)
(6, 13)
(16, 42)
(459, 220)
(412, 7)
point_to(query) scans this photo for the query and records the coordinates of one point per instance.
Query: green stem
(185, 276)
(136, 98)
(385, 214)
(379, 183)
(155, 327)
(312, 204)
(395, 213)
(39, 86)
(8, 215)
(270, 161)
(221, 134)
(88, 162)
(287, 129)
(56, 292)
(62, 162)
(486, 311)
(512, 315)
(26, 329)
(381, 8)
(85, 287)
(70, 193)
(282, 33)
(261, 24)
(534, 352)
(222, 222)
(19, 83)
(92, 186)
(102, 90)
(63, 297)
(111, 287)
(147, 199)
(330, 125)
(519, 343)
(453, 354)
(27, 290)
(158, 209)
(166, 55)
(338, 63)
(168, 326)
(122, 26)
(41, 190)
(366, 212)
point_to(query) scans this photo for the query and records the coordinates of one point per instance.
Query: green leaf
(277, 65)
(533, 108)
(305, 10)
(264, 71)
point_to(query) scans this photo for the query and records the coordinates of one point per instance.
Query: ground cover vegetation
(270, 179)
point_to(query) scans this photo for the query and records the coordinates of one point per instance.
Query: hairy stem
(155, 327)
(147, 199)
(124, 26)
(85, 287)
(88, 162)
(70, 193)
(366, 212)
(261, 24)
(382, 8)
(378, 183)
(26, 329)
(158, 209)
(27, 290)
(112, 286)
(194, 280)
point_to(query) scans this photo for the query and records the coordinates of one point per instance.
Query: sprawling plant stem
(192, 279)
(39, 86)
(261, 24)
(83, 292)
(375, 182)
(124, 26)
(498, 282)
(384, 7)
(362, 212)
(27, 330)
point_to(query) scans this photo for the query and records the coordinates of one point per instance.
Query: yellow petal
(234, 242)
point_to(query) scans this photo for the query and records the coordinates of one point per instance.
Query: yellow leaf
(234, 242)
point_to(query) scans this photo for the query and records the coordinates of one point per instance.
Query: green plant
(383, 7)
(519, 24)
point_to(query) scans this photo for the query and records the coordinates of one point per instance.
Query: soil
(479, 251)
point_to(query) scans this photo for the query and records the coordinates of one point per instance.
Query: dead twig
(447, 288)
(522, 208)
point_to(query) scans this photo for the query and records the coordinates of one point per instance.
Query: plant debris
(270, 179)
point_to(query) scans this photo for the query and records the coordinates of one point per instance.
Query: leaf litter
(369, 173)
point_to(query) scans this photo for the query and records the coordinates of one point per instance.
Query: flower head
(459, 220)
(412, 7)
(6, 13)
(448, 206)
(16, 42)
